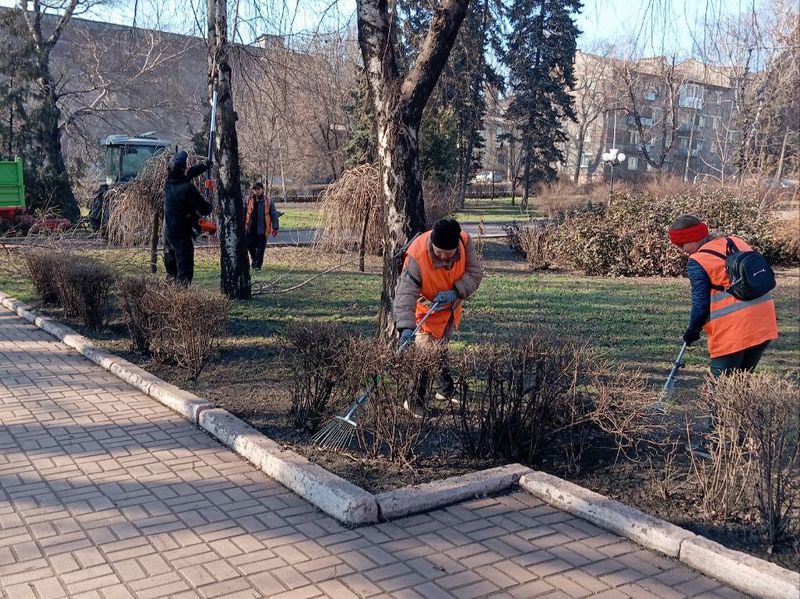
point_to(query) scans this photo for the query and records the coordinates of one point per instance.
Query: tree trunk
(526, 183)
(576, 177)
(234, 266)
(399, 101)
(467, 158)
(782, 159)
(404, 208)
(154, 237)
(48, 136)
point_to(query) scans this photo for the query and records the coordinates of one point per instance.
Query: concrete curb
(614, 516)
(744, 572)
(435, 494)
(331, 494)
(741, 571)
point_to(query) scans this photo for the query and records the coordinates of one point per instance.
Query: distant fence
(312, 193)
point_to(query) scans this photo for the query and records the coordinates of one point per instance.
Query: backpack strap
(713, 253)
(731, 245)
(718, 255)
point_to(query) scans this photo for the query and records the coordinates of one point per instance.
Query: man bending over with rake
(440, 266)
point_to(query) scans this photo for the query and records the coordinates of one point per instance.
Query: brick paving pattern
(106, 494)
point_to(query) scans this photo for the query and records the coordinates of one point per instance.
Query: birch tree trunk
(234, 266)
(399, 101)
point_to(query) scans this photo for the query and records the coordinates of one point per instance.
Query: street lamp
(611, 159)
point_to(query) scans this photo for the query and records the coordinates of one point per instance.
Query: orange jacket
(435, 280)
(733, 325)
(251, 204)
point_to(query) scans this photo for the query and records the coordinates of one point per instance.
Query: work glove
(690, 336)
(407, 337)
(445, 297)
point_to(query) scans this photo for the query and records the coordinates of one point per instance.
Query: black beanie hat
(258, 185)
(178, 161)
(446, 234)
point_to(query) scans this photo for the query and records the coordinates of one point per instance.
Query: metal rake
(339, 430)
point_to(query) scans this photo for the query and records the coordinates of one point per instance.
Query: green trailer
(12, 189)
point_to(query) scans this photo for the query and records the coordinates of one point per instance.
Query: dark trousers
(745, 360)
(256, 244)
(179, 260)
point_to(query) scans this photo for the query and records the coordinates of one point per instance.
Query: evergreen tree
(539, 57)
(361, 146)
(438, 144)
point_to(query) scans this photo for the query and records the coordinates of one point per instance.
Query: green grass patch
(634, 321)
(498, 210)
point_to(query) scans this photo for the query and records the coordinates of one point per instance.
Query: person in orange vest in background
(738, 331)
(441, 265)
(260, 219)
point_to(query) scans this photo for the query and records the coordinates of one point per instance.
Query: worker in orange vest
(738, 331)
(260, 220)
(441, 265)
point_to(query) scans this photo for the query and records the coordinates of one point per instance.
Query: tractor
(125, 157)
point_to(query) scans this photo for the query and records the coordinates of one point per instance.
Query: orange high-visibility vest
(733, 325)
(435, 280)
(251, 206)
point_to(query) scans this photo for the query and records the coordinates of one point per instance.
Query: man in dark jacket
(183, 204)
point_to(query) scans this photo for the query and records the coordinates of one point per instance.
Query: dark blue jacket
(701, 293)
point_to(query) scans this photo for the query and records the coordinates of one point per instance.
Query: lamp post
(611, 159)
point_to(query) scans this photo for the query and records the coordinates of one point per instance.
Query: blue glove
(446, 297)
(406, 337)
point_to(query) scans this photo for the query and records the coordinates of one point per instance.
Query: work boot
(445, 388)
(699, 449)
(415, 409)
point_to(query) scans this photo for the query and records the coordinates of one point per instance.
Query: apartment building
(665, 117)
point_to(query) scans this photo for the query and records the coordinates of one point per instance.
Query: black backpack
(750, 274)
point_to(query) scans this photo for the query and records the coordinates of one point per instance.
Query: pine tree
(361, 146)
(539, 57)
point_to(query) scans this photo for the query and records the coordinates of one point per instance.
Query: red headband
(696, 232)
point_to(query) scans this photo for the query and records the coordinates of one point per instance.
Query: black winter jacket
(182, 204)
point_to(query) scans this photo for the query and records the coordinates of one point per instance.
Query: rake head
(336, 435)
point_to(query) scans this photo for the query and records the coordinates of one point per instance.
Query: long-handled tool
(206, 225)
(338, 432)
(665, 397)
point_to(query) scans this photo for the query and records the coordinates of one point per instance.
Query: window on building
(715, 122)
(650, 95)
(658, 114)
(585, 160)
(650, 168)
(718, 94)
(683, 142)
(701, 120)
(691, 96)
(633, 164)
(634, 137)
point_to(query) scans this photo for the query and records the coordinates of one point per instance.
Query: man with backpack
(731, 299)
(441, 266)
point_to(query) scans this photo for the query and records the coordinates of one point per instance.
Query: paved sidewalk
(104, 493)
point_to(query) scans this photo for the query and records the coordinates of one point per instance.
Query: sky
(660, 26)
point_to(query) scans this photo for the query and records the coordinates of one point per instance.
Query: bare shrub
(559, 198)
(43, 266)
(518, 396)
(768, 409)
(131, 293)
(351, 212)
(441, 200)
(533, 241)
(187, 324)
(515, 396)
(84, 290)
(386, 427)
(782, 243)
(316, 365)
